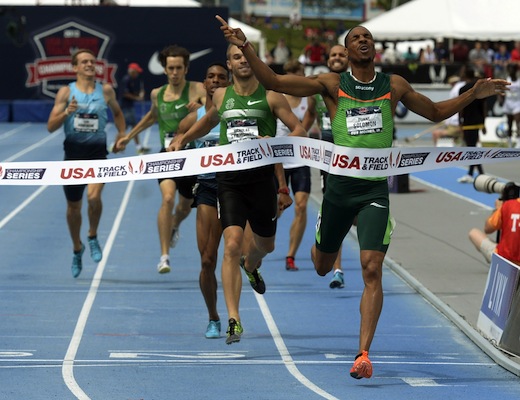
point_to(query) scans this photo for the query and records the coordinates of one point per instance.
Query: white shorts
(511, 107)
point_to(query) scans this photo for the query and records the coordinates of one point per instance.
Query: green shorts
(346, 198)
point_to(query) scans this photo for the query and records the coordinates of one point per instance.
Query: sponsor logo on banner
(80, 173)
(136, 168)
(451, 156)
(216, 160)
(319, 154)
(250, 155)
(409, 160)
(264, 150)
(504, 154)
(77, 173)
(345, 162)
(22, 174)
(375, 163)
(267, 152)
(52, 67)
(157, 167)
(283, 150)
(112, 171)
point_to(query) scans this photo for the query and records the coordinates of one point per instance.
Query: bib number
(364, 120)
(86, 123)
(240, 130)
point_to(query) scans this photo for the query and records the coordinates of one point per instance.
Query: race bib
(86, 123)
(240, 130)
(364, 120)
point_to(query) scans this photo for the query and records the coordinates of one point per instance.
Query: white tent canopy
(494, 20)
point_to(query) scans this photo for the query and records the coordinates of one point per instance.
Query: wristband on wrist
(244, 45)
(284, 190)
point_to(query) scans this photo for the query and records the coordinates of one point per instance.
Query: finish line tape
(338, 160)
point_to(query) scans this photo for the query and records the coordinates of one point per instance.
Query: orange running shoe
(362, 367)
(289, 264)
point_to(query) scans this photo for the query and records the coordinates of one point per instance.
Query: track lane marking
(68, 362)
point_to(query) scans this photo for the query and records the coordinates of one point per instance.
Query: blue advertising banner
(39, 46)
(498, 295)
(352, 10)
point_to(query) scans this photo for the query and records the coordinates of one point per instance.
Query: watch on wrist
(243, 45)
(284, 190)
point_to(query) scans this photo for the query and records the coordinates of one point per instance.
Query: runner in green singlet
(170, 104)
(361, 106)
(337, 62)
(248, 199)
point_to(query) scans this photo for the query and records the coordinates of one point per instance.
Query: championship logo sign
(52, 68)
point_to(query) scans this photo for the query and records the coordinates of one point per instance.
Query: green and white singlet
(364, 115)
(170, 113)
(246, 118)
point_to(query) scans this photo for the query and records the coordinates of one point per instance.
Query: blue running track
(122, 331)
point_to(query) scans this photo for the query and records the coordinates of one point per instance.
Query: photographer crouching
(505, 220)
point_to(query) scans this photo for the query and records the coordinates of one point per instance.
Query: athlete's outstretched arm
(290, 84)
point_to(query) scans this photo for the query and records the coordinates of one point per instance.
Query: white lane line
(447, 191)
(136, 359)
(67, 370)
(38, 191)
(31, 148)
(421, 382)
(284, 352)
(24, 204)
(11, 132)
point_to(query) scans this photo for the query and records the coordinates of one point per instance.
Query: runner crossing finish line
(338, 160)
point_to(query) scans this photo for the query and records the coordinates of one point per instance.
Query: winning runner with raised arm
(361, 105)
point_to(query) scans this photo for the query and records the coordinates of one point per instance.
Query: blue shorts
(299, 179)
(205, 192)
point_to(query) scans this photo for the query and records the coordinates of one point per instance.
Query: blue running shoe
(95, 249)
(76, 262)
(213, 330)
(337, 280)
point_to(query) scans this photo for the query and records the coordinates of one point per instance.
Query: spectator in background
(460, 52)
(500, 61)
(281, 53)
(378, 59)
(315, 52)
(515, 53)
(511, 102)
(451, 127)
(441, 54)
(295, 19)
(490, 52)
(390, 54)
(409, 56)
(428, 56)
(132, 90)
(478, 59)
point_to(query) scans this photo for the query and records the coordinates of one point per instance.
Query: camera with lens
(489, 184)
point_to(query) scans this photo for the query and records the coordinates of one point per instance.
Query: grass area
(295, 39)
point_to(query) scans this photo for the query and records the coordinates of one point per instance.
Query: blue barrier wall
(39, 52)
